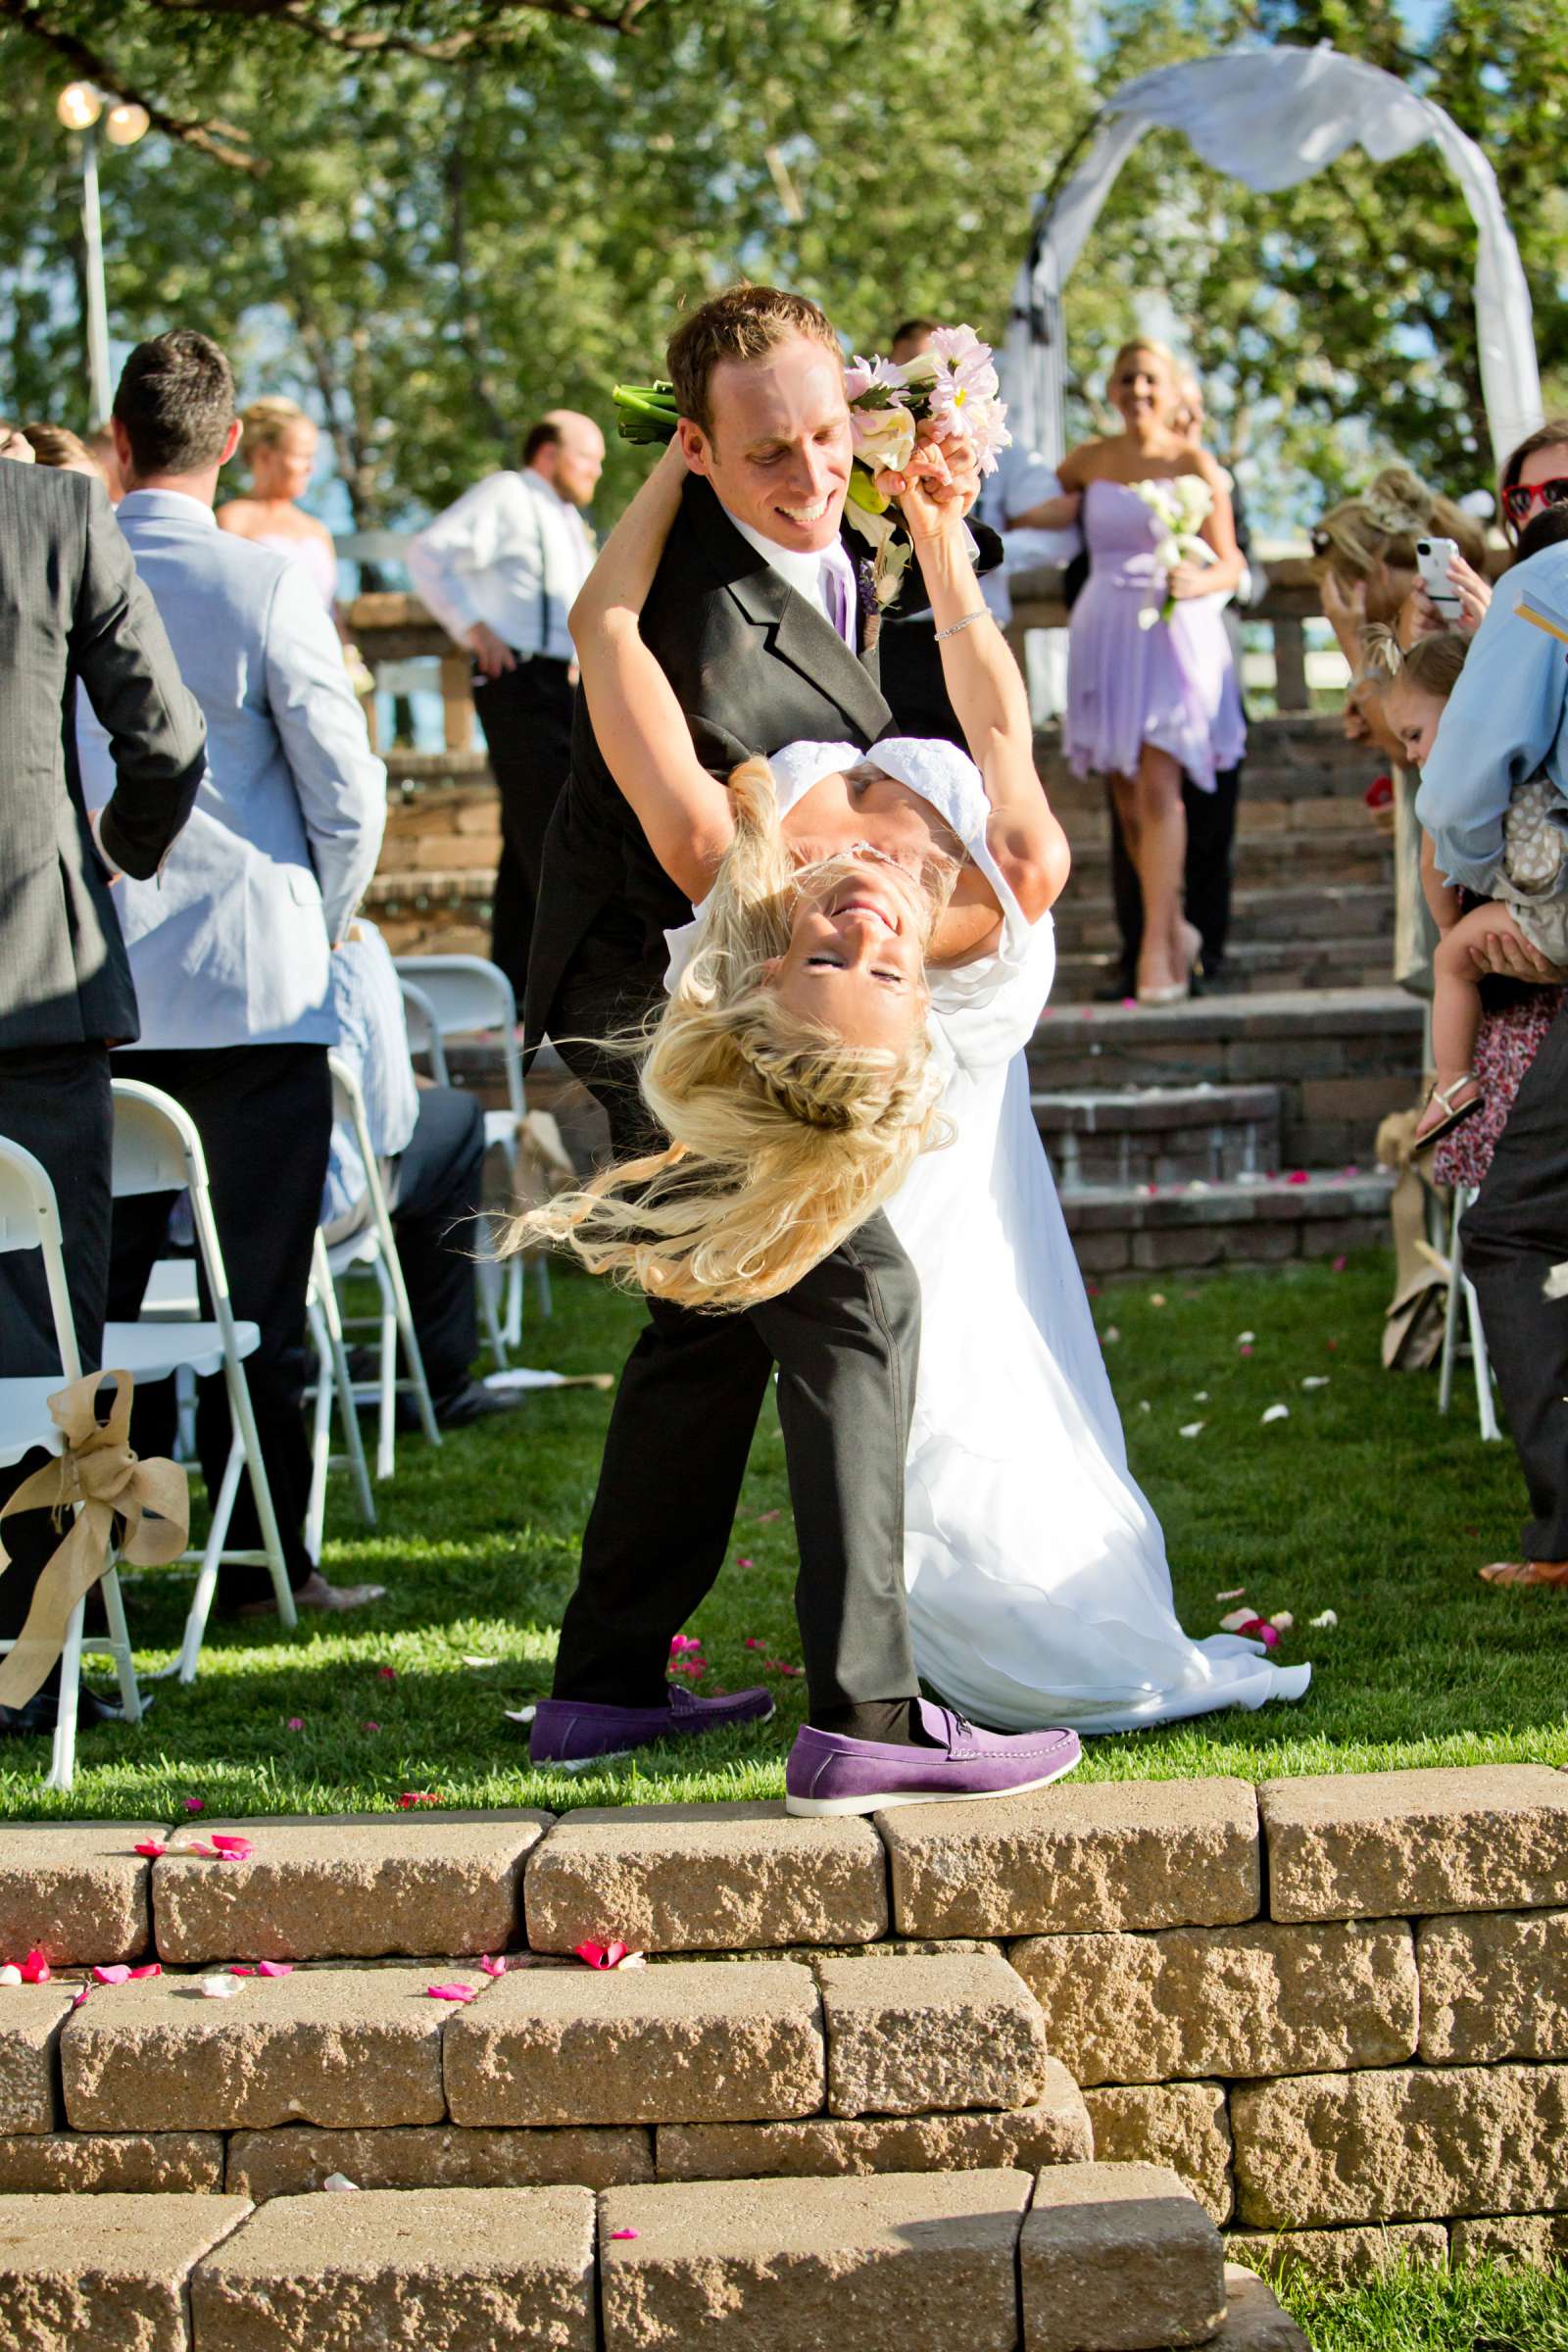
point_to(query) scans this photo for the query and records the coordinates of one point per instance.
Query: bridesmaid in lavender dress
(1147, 704)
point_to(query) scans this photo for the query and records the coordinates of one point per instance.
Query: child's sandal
(1456, 1113)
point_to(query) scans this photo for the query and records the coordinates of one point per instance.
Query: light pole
(78, 108)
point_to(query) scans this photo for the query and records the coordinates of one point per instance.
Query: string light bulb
(78, 106)
(125, 126)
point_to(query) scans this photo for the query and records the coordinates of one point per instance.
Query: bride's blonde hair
(782, 1137)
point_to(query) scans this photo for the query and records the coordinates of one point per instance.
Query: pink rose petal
(680, 1644)
(417, 1796)
(151, 1848)
(369, 1727)
(386, 1674)
(623, 2233)
(452, 1992)
(231, 1848)
(744, 1559)
(608, 1955)
(492, 1968)
(295, 1723)
(275, 1968)
(1339, 1265)
(766, 1518)
(153, 1967)
(82, 1996)
(35, 1968)
(194, 1804)
(117, 1974)
(755, 1642)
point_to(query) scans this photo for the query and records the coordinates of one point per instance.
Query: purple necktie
(841, 602)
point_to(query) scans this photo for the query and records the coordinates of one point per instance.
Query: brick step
(1136, 1228)
(1293, 858)
(1343, 1057)
(1160, 1135)
(1092, 2254)
(1251, 966)
(1305, 917)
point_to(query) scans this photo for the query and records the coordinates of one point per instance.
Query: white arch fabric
(1271, 117)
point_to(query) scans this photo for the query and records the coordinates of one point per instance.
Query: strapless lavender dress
(1173, 685)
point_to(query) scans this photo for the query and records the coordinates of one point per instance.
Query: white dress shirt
(825, 579)
(511, 553)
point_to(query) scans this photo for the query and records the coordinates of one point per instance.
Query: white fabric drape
(1271, 117)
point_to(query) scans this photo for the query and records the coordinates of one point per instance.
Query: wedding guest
(230, 947)
(55, 446)
(65, 993)
(14, 445)
(430, 1141)
(1506, 722)
(278, 443)
(500, 571)
(1148, 705)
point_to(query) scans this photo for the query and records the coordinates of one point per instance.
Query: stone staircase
(1232, 1130)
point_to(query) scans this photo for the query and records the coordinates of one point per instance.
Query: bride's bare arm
(992, 705)
(641, 731)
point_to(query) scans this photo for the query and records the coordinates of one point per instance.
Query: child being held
(1532, 880)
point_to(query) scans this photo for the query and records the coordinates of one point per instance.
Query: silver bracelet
(967, 622)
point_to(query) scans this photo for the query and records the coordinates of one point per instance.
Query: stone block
(1253, 2319)
(1118, 2256)
(297, 2158)
(336, 2046)
(1233, 2001)
(1110, 1854)
(1376, 1844)
(1318, 2149)
(1055, 2131)
(31, 2018)
(1493, 1986)
(1343, 2257)
(454, 2270)
(949, 2030)
(78, 1888)
(354, 1886)
(1180, 2125)
(885, 2264)
(118, 2285)
(1516, 2240)
(706, 1878)
(140, 2163)
(688, 2042)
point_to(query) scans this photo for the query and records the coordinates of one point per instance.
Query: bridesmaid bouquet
(950, 389)
(1181, 507)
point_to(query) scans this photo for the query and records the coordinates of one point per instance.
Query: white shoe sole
(810, 1808)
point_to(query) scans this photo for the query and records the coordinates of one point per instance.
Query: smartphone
(1432, 560)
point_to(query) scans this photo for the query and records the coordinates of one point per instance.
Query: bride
(846, 1022)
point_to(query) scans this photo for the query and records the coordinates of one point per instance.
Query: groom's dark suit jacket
(753, 666)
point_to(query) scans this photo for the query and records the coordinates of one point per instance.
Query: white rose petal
(1280, 1619)
(1143, 1406)
(1199, 1396)
(1245, 1338)
(1316, 1380)
(219, 1988)
(1110, 1336)
(1324, 1617)
(339, 2181)
(10, 1974)
(1234, 1623)
(1278, 1412)
(1190, 1429)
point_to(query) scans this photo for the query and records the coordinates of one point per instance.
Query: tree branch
(221, 141)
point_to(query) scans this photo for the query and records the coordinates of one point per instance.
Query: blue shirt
(1506, 722)
(373, 1040)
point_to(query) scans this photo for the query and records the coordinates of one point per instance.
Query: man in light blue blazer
(230, 944)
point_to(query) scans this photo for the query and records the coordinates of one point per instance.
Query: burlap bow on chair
(98, 1471)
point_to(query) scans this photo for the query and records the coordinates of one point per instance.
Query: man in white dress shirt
(232, 942)
(500, 571)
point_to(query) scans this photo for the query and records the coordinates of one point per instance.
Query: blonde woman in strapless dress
(1147, 704)
(278, 443)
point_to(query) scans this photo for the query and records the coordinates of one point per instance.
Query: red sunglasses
(1521, 499)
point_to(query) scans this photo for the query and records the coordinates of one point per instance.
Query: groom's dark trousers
(1512, 1236)
(753, 666)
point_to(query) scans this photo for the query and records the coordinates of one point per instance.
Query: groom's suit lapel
(795, 631)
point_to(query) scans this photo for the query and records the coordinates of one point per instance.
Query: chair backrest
(469, 997)
(29, 1219)
(156, 1150)
(348, 1103)
(424, 1028)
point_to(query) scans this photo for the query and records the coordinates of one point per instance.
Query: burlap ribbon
(97, 1471)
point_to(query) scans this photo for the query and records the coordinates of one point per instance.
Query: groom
(755, 617)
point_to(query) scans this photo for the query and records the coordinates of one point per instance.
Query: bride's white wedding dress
(1037, 1586)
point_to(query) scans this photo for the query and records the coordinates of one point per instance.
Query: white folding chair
(156, 1150)
(424, 1039)
(375, 1247)
(333, 1380)
(465, 996)
(29, 1219)
(1461, 1288)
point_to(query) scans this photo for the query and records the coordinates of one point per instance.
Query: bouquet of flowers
(1181, 507)
(950, 390)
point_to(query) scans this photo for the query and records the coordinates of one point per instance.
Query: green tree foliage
(433, 248)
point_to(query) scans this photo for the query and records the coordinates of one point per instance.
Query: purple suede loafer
(829, 1774)
(571, 1731)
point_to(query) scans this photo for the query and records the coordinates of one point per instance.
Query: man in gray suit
(71, 610)
(231, 950)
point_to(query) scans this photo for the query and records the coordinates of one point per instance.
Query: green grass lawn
(1422, 2310)
(1364, 1500)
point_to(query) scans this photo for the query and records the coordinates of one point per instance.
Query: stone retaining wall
(1337, 2008)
